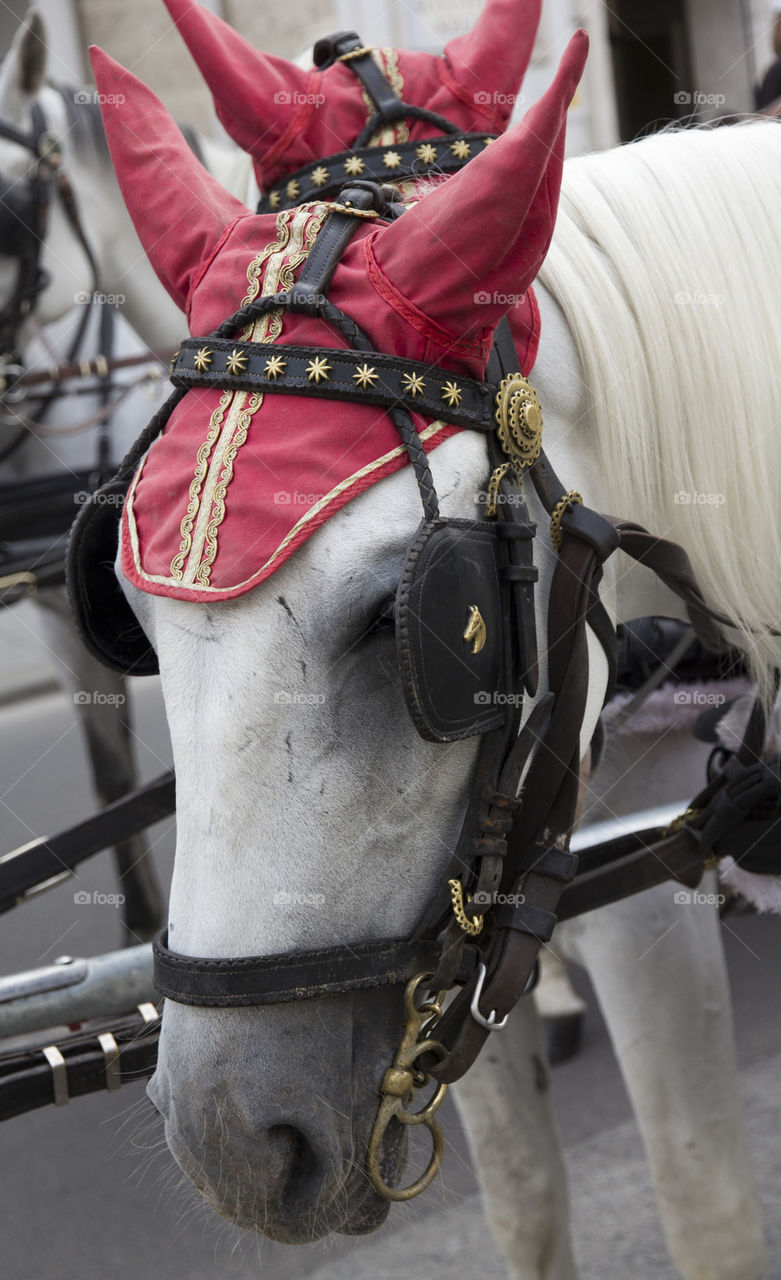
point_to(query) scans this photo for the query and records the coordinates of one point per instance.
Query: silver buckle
(111, 1059)
(490, 1022)
(59, 1075)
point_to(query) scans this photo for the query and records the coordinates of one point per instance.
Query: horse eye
(384, 618)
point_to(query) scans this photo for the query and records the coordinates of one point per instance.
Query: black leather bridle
(25, 205)
(444, 153)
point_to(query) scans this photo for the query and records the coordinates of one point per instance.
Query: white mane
(667, 264)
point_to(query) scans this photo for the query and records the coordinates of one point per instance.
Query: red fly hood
(239, 479)
(286, 118)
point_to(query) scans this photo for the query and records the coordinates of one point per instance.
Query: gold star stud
(318, 369)
(236, 362)
(203, 358)
(451, 394)
(275, 365)
(354, 165)
(426, 152)
(413, 384)
(391, 159)
(293, 189)
(487, 141)
(365, 376)
(273, 200)
(320, 175)
(461, 149)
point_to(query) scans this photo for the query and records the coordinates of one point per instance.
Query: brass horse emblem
(476, 629)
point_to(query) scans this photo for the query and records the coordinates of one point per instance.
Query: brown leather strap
(550, 798)
(673, 567)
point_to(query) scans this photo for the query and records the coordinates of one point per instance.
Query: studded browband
(363, 378)
(377, 163)
(397, 163)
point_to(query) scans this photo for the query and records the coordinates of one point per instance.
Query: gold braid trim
(492, 493)
(573, 498)
(388, 62)
(472, 927)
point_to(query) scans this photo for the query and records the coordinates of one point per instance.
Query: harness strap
(299, 975)
(348, 47)
(550, 799)
(47, 859)
(403, 161)
(360, 376)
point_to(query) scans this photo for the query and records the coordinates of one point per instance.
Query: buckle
(490, 1022)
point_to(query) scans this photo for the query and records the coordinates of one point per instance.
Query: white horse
(648, 397)
(73, 116)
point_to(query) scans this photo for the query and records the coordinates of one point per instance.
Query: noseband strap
(298, 975)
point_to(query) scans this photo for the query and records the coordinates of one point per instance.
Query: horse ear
(240, 78)
(462, 252)
(23, 72)
(178, 209)
(493, 58)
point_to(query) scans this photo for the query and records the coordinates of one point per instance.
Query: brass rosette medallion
(519, 419)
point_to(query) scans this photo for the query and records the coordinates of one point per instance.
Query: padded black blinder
(449, 630)
(103, 617)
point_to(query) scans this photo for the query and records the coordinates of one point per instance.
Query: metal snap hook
(490, 1022)
(397, 1091)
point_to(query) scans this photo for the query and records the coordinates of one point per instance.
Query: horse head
(310, 813)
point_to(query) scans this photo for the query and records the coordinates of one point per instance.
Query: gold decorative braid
(218, 504)
(354, 213)
(573, 498)
(388, 62)
(472, 927)
(296, 233)
(519, 419)
(492, 493)
(680, 822)
(196, 484)
(356, 53)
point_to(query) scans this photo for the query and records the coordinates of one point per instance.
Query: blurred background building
(652, 60)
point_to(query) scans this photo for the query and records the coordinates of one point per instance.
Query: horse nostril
(291, 1156)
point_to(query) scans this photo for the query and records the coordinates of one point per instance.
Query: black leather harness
(444, 153)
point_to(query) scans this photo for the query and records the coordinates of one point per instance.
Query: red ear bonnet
(240, 479)
(286, 118)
